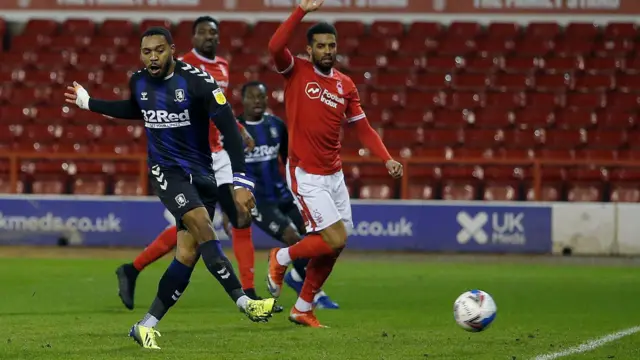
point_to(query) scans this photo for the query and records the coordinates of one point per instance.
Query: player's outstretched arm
(372, 141)
(278, 43)
(121, 109)
(368, 136)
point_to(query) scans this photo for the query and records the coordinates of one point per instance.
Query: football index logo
(505, 228)
(472, 227)
(313, 90)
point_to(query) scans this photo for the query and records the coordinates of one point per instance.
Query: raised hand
(77, 95)
(311, 5)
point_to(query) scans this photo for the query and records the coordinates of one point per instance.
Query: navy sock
(172, 284)
(220, 267)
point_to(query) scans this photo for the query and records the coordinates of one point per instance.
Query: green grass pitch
(394, 308)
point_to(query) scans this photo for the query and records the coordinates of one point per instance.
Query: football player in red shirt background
(204, 56)
(318, 100)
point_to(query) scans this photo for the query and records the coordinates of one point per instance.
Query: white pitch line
(590, 345)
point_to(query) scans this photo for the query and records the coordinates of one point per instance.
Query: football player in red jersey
(204, 56)
(318, 100)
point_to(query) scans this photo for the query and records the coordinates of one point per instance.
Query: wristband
(241, 180)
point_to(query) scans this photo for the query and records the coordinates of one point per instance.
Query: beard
(323, 67)
(165, 70)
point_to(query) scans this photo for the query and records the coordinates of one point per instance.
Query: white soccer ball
(474, 310)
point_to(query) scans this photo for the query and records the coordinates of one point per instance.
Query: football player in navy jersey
(177, 101)
(275, 212)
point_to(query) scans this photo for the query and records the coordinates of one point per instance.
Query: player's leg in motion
(199, 239)
(128, 273)
(240, 232)
(295, 277)
(324, 202)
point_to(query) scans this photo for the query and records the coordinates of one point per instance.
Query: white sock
(319, 294)
(295, 276)
(149, 321)
(242, 302)
(303, 306)
(283, 257)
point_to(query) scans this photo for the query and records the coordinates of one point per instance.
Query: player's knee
(199, 224)
(290, 236)
(335, 235)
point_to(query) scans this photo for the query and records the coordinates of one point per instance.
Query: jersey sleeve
(354, 110)
(282, 57)
(120, 109)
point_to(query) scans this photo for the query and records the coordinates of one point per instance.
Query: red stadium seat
(460, 182)
(505, 100)
(545, 31)
(147, 23)
(425, 30)
(500, 30)
(493, 47)
(501, 183)
(573, 47)
(616, 119)
(481, 64)
(377, 191)
(534, 119)
(613, 48)
(582, 31)
(565, 139)
(78, 27)
(350, 28)
(575, 118)
(606, 139)
(615, 30)
(41, 26)
(387, 29)
(117, 28)
(492, 117)
(127, 186)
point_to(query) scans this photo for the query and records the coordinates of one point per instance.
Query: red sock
(244, 252)
(309, 247)
(318, 271)
(165, 242)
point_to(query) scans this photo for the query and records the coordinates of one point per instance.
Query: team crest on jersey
(219, 96)
(339, 88)
(180, 96)
(274, 132)
(313, 90)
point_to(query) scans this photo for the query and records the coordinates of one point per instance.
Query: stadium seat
(460, 182)
(117, 28)
(501, 183)
(466, 90)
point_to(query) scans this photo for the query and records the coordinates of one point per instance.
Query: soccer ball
(474, 310)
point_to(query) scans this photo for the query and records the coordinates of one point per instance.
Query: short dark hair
(320, 28)
(203, 19)
(246, 86)
(157, 30)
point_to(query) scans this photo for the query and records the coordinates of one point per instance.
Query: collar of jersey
(202, 58)
(330, 75)
(254, 122)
